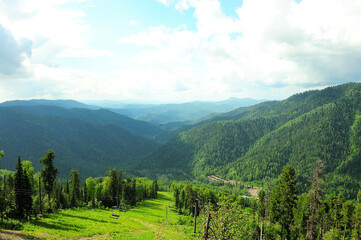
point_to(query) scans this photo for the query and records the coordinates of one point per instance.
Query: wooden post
(41, 203)
(206, 228)
(195, 215)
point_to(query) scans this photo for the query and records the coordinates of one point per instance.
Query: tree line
(279, 212)
(25, 194)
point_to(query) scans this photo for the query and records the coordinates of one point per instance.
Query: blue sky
(176, 50)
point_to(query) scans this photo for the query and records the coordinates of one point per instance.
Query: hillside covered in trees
(92, 148)
(251, 144)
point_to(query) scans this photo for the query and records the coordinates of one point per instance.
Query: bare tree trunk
(195, 216)
(40, 201)
(260, 238)
(344, 232)
(206, 228)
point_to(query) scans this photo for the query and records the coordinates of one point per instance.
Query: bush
(11, 224)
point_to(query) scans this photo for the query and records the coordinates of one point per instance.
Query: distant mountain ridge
(253, 143)
(163, 114)
(180, 112)
(92, 148)
(99, 116)
(68, 104)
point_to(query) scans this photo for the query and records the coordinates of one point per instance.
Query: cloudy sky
(176, 50)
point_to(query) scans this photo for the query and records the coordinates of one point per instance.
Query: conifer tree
(316, 195)
(19, 189)
(115, 185)
(133, 192)
(154, 189)
(283, 200)
(28, 199)
(261, 209)
(48, 172)
(74, 188)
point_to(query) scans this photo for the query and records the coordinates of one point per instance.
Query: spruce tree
(74, 188)
(28, 199)
(19, 189)
(283, 200)
(116, 183)
(133, 192)
(316, 197)
(48, 173)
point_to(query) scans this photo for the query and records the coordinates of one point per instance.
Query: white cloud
(13, 53)
(55, 30)
(132, 22)
(279, 44)
(272, 49)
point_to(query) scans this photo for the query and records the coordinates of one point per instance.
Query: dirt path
(14, 235)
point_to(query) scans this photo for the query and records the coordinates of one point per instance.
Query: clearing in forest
(146, 221)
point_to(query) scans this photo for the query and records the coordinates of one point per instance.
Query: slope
(44, 102)
(182, 112)
(261, 139)
(100, 116)
(77, 144)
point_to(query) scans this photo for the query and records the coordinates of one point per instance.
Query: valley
(237, 163)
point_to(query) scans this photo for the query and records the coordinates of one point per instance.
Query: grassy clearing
(146, 221)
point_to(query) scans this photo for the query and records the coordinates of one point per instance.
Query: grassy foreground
(146, 221)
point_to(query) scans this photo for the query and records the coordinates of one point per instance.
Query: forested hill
(44, 102)
(292, 107)
(261, 139)
(91, 148)
(100, 116)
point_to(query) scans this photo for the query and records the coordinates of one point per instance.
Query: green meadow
(148, 220)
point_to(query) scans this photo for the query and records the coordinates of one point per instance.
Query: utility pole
(41, 203)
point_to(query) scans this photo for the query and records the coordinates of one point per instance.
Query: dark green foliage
(250, 144)
(23, 192)
(74, 188)
(98, 117)
(48, 172)
(30, 135)
(116, 184)
(206, 148)
(155, 189)
(283, 200)
(19, 185)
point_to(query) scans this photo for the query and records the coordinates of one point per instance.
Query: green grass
(146, 221)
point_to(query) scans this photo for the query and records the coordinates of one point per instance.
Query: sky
(176, 50)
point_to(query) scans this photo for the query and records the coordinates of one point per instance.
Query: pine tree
(261, 209)
(74, 188)
(115, 185)
(316, 195)
(28, 199)
(48, 173)
(283, 200)
(85, 194)
(154, 189)
(19, 189)
(133, 192)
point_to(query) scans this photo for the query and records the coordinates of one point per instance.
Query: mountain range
(254, 143)
(246, 144)
(83, 136)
